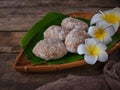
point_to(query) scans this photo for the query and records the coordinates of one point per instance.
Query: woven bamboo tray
(22, 64)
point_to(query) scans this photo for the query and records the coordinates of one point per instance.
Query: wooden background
(17, 17)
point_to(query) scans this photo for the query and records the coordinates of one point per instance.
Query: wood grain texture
(23, 19)
(22, 14)
(17, 23)
(41, 11)
(75, 3)
(12, 80)
(10, 41)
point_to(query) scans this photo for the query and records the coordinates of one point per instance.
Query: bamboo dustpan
(22, 64)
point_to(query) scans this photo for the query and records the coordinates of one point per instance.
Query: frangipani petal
(102, 46)
(107, 40)
(91, 31)
(81, 49)
(110, 30)
(116, 26)
(103, 24)
(90, 41)
(96, 18)
(108, 11)
(117, 10)
(103, 56)
(90, 59)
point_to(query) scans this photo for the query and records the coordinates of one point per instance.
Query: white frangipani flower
(94, 50)
(102, 33)
(107, 18)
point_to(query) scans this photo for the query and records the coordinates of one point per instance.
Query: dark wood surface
(17, 17)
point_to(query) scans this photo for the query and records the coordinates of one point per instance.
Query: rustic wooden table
(17, 17)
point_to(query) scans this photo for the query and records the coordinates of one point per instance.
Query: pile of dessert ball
(59, 40)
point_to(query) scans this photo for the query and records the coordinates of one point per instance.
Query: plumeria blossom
(93, 50)
(107, 18)
(102, 33)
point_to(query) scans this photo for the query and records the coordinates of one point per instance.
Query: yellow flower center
(112, 18)
(100, 34)
(93, 50)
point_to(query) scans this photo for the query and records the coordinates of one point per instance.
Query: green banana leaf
(35, 34)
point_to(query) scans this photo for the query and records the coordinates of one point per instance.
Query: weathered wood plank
(19, 15)
(12, 80)
(17, 23)
(33, 11)
(68, 3)
(10, 41)
(24, 18)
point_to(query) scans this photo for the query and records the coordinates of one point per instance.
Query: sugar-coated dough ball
(75, 38)
(50, 48)
(71, 23)
(56, 32)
